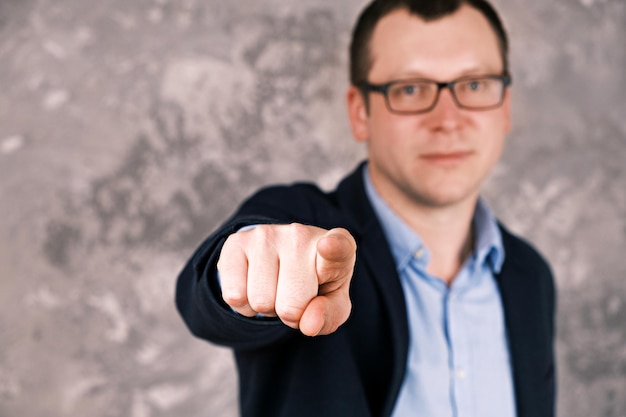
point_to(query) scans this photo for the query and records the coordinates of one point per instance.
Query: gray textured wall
(128, 130)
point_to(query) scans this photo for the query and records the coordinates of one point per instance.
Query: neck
(449, 237)
(445, 230)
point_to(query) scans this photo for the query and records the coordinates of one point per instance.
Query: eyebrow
(468, 72)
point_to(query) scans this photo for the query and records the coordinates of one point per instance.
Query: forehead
(404, 45)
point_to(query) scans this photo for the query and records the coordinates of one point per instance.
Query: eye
(409, 89)
(475, 85)
(412, 89)
(408, 93)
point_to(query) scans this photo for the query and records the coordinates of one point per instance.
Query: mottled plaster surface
(128, 130)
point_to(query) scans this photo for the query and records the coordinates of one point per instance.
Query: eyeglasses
(416, 96)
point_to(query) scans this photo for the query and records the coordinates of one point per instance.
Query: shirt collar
(488, 246)
(406, 244)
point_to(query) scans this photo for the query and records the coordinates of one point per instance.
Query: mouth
(447, 159)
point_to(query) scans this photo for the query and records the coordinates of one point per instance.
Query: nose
(446, 115)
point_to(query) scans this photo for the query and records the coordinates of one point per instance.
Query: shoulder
(526, 268)
(305, 202)
(298, 202)
(301, 192)
(521, 253)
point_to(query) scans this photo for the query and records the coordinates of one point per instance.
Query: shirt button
(419, 254)
(460, 374)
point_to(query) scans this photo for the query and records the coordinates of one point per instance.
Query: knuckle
(299, 233)
(244, 240)
(260, 232)
(301, 241)
(297, 229)
(289, 313)
(233, 242)
(262, 305)
(261, 240)
(290, 238)
(235, 299)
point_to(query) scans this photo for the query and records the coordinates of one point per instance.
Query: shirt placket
(458, 344)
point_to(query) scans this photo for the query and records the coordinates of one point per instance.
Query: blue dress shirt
(458, 363)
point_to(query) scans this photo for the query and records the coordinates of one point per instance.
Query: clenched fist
(301, 274)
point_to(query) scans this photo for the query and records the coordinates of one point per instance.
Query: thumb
(336, 255)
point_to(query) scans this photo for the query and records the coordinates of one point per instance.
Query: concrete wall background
(128, 130)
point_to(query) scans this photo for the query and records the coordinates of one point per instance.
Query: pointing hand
(300, 274)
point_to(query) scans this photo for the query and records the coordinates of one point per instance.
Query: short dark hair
(429, 10)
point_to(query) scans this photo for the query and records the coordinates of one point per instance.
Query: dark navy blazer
(358, 370)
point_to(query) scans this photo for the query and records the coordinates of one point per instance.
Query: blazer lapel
(528, 316)
(375, 254)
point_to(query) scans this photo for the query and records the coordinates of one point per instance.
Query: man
(398, 294)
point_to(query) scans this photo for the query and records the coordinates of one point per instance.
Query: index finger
(336, 255)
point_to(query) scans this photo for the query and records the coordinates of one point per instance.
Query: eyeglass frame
(383, 89)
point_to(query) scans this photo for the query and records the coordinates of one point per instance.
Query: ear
(357, 112)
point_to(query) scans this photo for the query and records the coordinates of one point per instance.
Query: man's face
(441, 157)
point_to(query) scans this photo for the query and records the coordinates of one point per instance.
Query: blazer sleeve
(198, 294)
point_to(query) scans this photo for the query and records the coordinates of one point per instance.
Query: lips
(446, 158)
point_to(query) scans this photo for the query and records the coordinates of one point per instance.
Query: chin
(437, 199)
